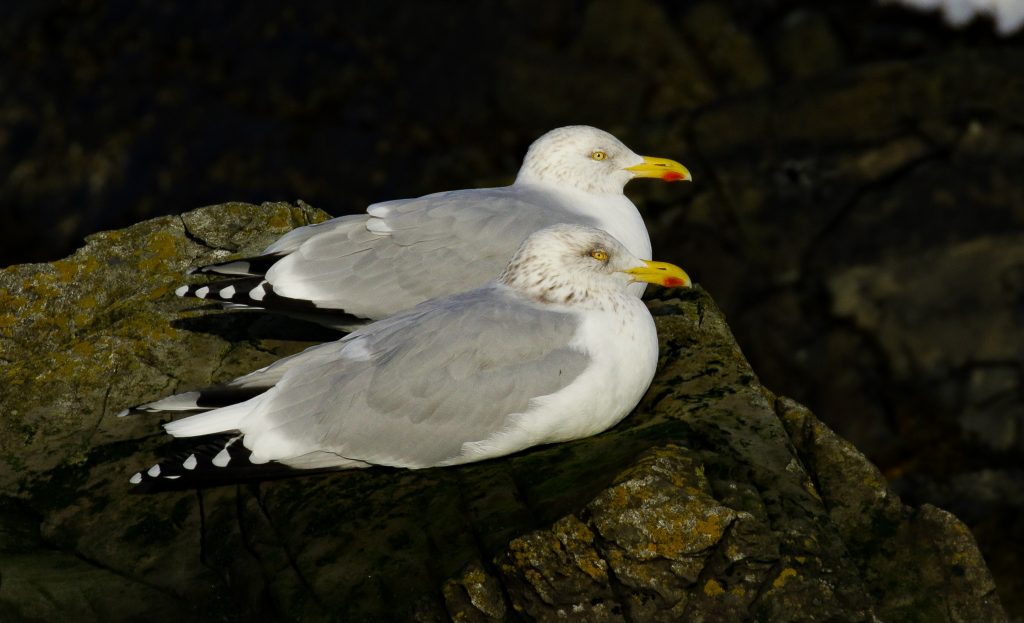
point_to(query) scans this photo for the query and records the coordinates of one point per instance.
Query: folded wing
(398, 255)
(408, 391)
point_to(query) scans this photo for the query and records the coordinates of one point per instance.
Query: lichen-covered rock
(95, 331)
(475, 596)
(714, 501)
(651, 531)
(918, 553)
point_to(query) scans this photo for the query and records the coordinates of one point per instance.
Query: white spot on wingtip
(222, 459)
(136, 479)
(182, 291)
(258, 292)
(202, 292)
(123, 412)
(172, 477)
(154, 471)
(227, 292)
(190, 462)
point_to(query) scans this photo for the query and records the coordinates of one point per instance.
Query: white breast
(623, 347)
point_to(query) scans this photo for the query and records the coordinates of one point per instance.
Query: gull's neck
(546, 288)
(590, 188)
(612, 212)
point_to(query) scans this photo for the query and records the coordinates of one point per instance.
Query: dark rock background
(858, 209)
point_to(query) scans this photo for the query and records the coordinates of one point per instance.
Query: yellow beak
(661, 273)
(661, 168)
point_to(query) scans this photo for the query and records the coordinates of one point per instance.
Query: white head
(576, 265)
(590, 160)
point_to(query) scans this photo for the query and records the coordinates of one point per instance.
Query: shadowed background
(858, 210)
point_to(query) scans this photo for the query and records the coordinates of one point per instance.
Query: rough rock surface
(716, 500)
(830, 142)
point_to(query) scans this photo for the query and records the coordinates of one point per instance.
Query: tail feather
(217, 421)
(256, 266)
(215, 397)
(187, 401)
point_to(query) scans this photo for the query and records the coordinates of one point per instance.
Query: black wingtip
(208, 461)
(235, 291)
(247, 293)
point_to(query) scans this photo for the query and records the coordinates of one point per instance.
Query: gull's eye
(599, 255)
(598, 155)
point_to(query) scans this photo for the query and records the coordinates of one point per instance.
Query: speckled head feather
(571, 265)
(579, 157)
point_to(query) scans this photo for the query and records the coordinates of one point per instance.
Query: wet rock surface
(715, 500)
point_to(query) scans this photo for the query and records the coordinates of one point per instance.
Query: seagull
(557, 348)
(348, 271)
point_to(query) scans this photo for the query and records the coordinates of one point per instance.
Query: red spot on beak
(672, 282)
(672, 176)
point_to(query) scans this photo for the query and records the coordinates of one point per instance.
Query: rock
(894, 176)
(715, 500)
(920, 552)
(92, 332)
(824, 137)
(652, 530)
(806, 46)
(909, 311)
(730, 51)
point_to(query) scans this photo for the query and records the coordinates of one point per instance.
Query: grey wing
(417, 386)
(294, 239)
(408, 251)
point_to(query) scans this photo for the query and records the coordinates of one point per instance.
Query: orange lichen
(713, 589)
(160, 249)
(783, 577)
